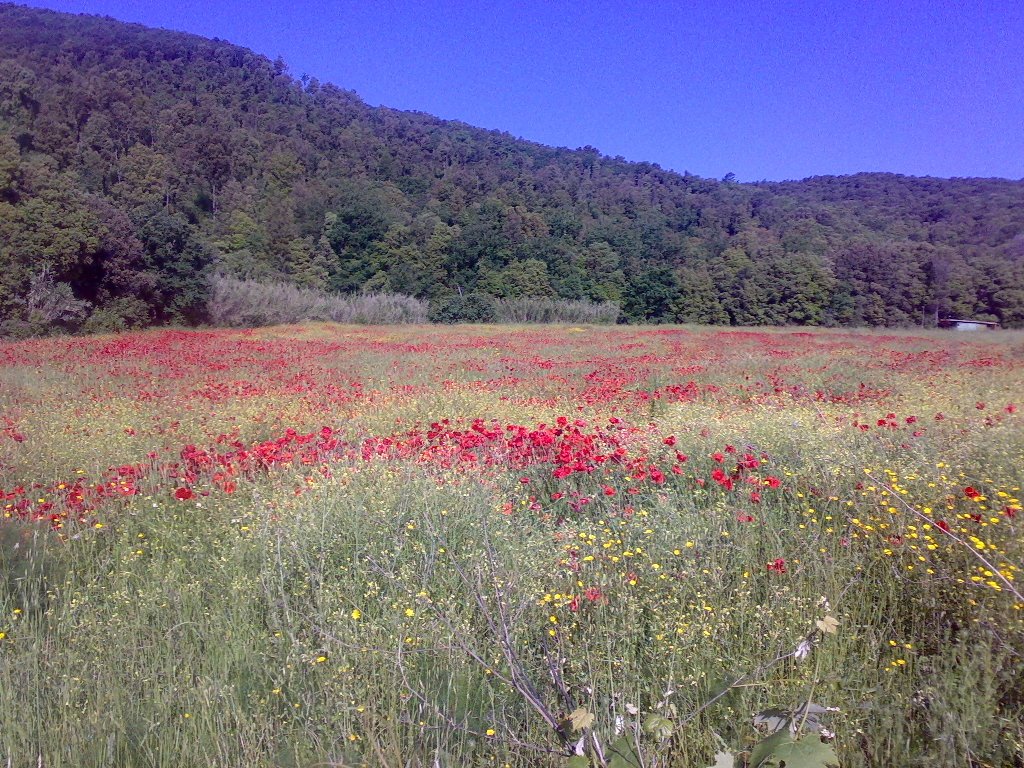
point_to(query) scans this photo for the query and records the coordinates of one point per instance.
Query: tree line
(135, 164)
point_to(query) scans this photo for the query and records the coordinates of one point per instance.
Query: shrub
(47, 307)
(120, 314)
(463, 308)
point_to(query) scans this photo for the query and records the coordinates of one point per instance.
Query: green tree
(528, 278)
(178, 264)
(308, 262)
(698, 300)
(651, 295)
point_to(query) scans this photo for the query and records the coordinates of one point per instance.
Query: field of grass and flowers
(507, 546)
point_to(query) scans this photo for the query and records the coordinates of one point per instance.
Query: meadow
(629, 547)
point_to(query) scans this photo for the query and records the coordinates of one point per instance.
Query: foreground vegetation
(571, 546)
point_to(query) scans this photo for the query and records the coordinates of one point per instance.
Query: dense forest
(136, 163)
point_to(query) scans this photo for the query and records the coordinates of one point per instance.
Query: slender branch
(910, 508)
(450, 721)
(742, 679)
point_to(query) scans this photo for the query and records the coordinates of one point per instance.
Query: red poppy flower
(183, 494)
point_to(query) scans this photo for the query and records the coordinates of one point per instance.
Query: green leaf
(724, 760)
(581, 719)
(578, 761)
(783, 749)
(658, 727)
(622, 753)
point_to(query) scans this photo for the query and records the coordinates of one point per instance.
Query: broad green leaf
(622, 753)
(827, 625)
(578, 761)
(783, 749)
(581, 719)
(658, 727)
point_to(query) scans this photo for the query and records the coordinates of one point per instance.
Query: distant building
(968, 325)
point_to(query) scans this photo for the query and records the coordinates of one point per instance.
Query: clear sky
(766, 90)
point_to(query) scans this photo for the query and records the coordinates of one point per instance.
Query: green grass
(401, 612)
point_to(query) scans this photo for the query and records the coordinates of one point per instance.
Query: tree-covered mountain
(134, 162)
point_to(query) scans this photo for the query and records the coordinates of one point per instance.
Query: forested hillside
(135, 162)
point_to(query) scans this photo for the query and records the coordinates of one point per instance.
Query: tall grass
(536, 310)
(238, 303)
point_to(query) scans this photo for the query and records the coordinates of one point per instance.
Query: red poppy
(719, 476)
(183, 494)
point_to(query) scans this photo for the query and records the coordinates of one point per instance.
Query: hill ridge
(134, 162)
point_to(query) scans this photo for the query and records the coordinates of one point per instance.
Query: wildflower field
(328, 545)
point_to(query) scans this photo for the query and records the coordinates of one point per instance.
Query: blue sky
(765, 90)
